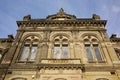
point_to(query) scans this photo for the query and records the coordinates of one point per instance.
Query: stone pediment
(61, 15)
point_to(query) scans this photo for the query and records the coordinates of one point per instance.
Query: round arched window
(0, 54)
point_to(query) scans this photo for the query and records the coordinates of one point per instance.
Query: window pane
(33, 53)
(25, 53)
(117, 52)
(96, 49)
(89, 54)
(0, 54)
(57, 51)
(64, 51)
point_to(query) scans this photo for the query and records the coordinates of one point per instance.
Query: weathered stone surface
(71, 35)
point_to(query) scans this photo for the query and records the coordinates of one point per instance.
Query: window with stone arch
(19, 78)
(102, 79)
(61, 49)
(0, 54)
(60, 79)
(92, 48)
(117, 50)
(29, 49)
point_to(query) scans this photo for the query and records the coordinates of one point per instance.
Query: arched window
(29, 50)
(0, 54)
(117, 50)
(92, 49)
(102, 79)
(19, 78)
(60, 79)
(60, 47)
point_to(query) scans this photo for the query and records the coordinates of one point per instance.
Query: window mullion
(60, 49)
(93, 53)
(30, 49)
(97, 53)
(101, 55)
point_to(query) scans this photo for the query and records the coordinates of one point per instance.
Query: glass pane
(96, 49)
(64, 51)
(25, 53)
(118, 54)
(57, 51)
(33, 53)
(89, 54)
(0, 56)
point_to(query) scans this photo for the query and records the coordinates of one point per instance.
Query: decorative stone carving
(27, 18)
(96, 17)
(61, 15)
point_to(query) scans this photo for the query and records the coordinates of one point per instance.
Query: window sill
(25, 61)
(101, 61)
(96, 61)
(91, 61)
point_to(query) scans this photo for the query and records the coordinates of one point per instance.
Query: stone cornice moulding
(34, 24)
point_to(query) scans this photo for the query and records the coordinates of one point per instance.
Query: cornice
(115, 39)
(46, 66)
(83, 67)
(60, 29)
(6, 40)
(9, 39)
(79, 22)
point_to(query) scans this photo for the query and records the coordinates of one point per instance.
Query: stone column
(12, 51)
(50, 49)
(38, 55)
(106, 56)
(71, 49)
(44, 51)
(77, 50)
(112, 52)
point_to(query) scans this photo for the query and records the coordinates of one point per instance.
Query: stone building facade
(60, 47)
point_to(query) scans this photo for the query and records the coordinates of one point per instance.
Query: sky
(14, 10)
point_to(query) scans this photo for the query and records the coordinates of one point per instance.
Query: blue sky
(14, 10)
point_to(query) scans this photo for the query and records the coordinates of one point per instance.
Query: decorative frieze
(61, 61)
(66, 23)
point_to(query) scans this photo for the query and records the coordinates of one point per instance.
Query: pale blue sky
(14, 10)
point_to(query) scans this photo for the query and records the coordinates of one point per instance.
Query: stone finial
(10, 36)
(96, 17)
(27, 18)
(61, 11)
(113, 36)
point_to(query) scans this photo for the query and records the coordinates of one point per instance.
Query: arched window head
(19, 78)
(60, 47)
(57, 40)
(60, 79)
(102, 79)
(0, 54)
(64, 40)
(30, 48)
(117, 50)
(92, 48)
(94, 40)
(86, 40)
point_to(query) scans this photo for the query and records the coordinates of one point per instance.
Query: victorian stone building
(60, 47)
